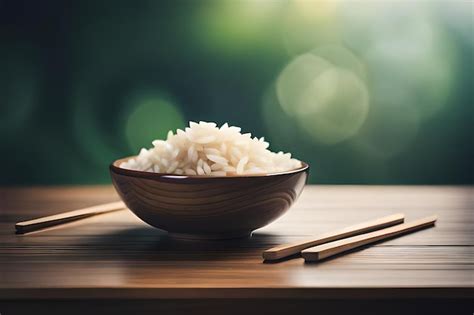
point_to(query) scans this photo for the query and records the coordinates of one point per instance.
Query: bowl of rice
(209, 182)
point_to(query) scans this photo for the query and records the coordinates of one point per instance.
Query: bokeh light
(232, 27)
(308, 24)
(325, 96)
(337, 103)
(411, 55)
(458, 17)
(411, 68)
(342, 57)
(363, 91)
(296, 78)
(151, 118)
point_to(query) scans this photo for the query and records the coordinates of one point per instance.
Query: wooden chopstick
(61, 218)
(282, 251)
(326, 250)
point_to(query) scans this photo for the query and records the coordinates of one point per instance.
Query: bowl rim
(114, 168)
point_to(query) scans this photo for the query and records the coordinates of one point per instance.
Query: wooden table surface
(116, 256)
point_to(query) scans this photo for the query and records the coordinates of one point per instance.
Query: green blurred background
(370, 92)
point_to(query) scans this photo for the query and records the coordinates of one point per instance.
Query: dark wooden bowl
(205, 207)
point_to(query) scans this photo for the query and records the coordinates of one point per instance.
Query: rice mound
(205, 149)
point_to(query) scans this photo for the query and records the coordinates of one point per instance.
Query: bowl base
(222, 236)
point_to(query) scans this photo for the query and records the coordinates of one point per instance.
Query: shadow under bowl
(207, 207)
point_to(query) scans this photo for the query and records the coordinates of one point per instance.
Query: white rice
(205, 149)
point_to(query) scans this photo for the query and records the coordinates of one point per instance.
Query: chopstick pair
(332, 243)
(66, 217)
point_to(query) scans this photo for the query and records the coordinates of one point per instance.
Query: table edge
(236, 293)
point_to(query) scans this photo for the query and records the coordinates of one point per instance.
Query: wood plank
(117, 255)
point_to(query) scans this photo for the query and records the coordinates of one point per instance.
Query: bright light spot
(458, 16)
(309, 24)
(336, 105)
(411, 66)
(422, 72)
(152, 118)
(319, 93)
(295, 80)
(342, 58)
(314, 9)
(327, 97)
(405, 49)
(235, 26)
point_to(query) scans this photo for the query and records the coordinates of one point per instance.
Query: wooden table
(118, 264)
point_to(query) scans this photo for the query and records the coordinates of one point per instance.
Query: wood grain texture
(66, 217)
(206, 207)
(118, 256)
(281, 251)
(324, 251)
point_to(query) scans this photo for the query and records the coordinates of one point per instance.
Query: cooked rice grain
(205, 149)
